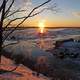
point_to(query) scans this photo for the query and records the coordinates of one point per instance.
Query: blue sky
(68, 14)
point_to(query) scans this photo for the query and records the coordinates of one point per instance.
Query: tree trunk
(1, 27)
(1, 42)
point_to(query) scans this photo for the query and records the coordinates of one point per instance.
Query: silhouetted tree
(6, 12)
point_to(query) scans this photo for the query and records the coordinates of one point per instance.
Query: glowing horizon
(68, 17)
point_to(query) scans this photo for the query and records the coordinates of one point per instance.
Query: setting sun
(41, 26)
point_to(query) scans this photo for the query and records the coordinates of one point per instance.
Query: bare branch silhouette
(17, 11)
(1, 7)
(29, 15)
(7, 11)
(14, 18)
(1, 27)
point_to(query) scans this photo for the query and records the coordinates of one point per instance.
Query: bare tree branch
(22, 17)
(1, 27)
(7, 11)
(1, 7)
(15, 12)
(15, 18)
(27, 17)
(52, 8)
(13, 21)
(48, 8)
(2, 16)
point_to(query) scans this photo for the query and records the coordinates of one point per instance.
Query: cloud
(76, 14)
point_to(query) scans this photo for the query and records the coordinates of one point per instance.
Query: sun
(41, 26)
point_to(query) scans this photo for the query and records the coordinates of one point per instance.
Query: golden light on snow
(41, 26)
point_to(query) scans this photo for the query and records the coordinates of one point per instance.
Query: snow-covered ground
(47, 40)
(21, 73)
(68, 68)
(32, 34)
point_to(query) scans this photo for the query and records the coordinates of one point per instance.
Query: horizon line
(45, 27)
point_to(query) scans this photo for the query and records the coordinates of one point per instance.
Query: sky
(67, 15)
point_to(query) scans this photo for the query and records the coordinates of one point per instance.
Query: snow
(21, 73)
(68, 67)
(26, 48)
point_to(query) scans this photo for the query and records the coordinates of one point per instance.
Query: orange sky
(54, 23)
(69, 15)
(61, 22)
